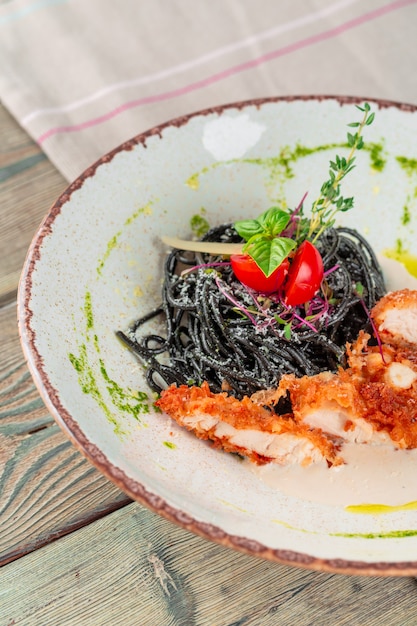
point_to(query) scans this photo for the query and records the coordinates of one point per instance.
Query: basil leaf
(274, 220)
(248, 228)
(269, 253)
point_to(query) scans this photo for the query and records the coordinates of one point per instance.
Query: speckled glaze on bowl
(95, 265)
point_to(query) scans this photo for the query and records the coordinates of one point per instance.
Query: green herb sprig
(264, 242)
(330, 201)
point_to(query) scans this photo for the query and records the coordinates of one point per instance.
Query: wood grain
(133, 567)
(75, 551)
(47, 488)
(28, 186)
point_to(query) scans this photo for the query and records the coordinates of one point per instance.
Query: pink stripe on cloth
(210, 80)
(192, 63)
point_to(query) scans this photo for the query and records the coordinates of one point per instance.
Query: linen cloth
(82, 76)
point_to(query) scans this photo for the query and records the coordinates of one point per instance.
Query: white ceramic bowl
(95, 265)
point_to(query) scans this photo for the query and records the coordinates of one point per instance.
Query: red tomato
(304, 276)
(251, 275)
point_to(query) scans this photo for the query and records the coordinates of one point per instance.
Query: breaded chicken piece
(245, 427)
(373, 400)
(395, 316)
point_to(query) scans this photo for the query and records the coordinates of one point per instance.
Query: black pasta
(211, 335)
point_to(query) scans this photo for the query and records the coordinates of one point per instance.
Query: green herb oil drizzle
(97, 383)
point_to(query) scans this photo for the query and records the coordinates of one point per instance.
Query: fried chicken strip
(244, 427)
(395, 316)
(373, 400)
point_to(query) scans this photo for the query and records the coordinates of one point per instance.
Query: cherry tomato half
(250, 274)
(304, 276)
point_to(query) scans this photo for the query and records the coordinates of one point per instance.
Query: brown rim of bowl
(132, 488)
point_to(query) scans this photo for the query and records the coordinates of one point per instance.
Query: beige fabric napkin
(82, 76)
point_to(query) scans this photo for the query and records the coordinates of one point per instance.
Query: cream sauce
(371, 475)
(396, 275)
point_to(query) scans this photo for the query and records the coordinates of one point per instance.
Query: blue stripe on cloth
(28, 10)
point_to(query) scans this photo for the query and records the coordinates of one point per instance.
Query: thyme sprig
(272, 236)
(330, 201)
(278, 231)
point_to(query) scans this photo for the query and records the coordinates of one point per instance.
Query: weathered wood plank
(47, 488)
(21, 408)
(126, 566)
(133, 567)
(29, 184)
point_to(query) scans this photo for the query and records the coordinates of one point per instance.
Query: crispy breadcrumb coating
(373, 400)
(209, 415)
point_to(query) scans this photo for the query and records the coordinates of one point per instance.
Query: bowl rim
(134, 489)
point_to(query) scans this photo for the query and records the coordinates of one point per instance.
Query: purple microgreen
(234, 301)
(299, 208)
(318, 312)
(301, 223)
(375, 331)
(358, 289)
(300, 319)
(263, 317)
(291, 229)
(204, 266)
(303, 321)
(256, 300)
(331, 270)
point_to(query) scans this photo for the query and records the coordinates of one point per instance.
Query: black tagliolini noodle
(215, 329)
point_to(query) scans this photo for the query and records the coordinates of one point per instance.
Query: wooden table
(75, 550)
